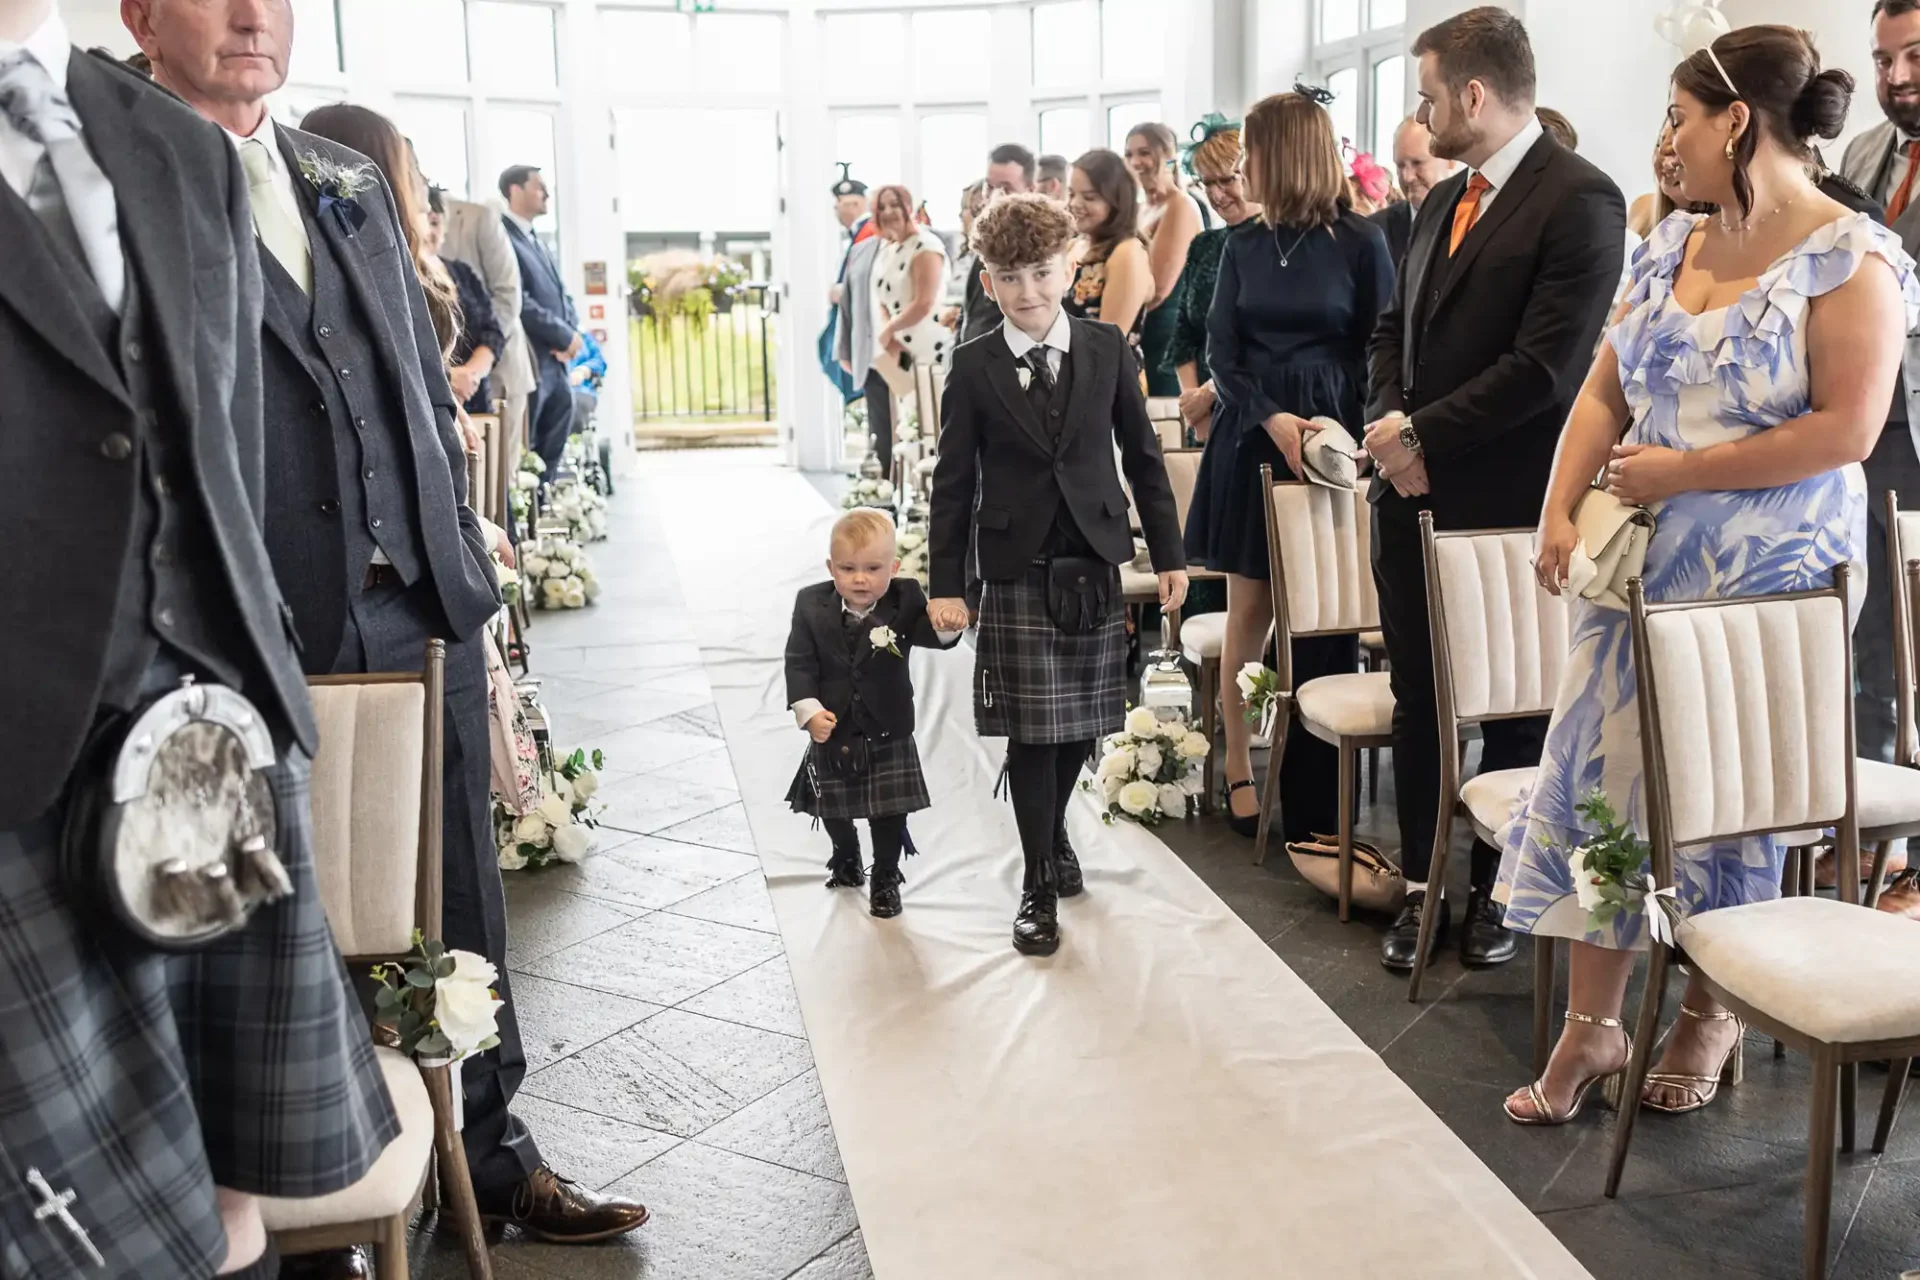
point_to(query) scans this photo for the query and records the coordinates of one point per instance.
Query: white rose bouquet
(1610, 871)
(563, 827)
(441, 1004)
(868, 493)
(557, 573)
(1260, 691)
(583, 509)
(912, 546)
(1151, 770)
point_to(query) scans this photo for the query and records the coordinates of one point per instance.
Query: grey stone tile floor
(667, 1059)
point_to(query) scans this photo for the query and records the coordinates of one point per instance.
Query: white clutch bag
(1327, 456)
(1613, 538)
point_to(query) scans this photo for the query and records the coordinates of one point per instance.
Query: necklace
(1750, 223)
(1286, 255)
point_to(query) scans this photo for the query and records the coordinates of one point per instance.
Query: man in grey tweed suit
(367, 521)
(1881, 162)
(144, 1098)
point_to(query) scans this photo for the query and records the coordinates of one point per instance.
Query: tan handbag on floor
(1613, 538)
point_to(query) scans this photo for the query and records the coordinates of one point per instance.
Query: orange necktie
(1904, 196)
(1467, 212)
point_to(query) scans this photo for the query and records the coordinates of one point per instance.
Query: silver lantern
(1164, 687)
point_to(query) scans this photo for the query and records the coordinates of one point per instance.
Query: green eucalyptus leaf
(419, 978)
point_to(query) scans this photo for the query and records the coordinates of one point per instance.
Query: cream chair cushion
(1325, 549)
(1359, 705)
(396, 1177)
(1753, 702)
(1490, 798)
(1886, 795)
(1373, 640)
(1842, 974)
(1201, 637)
(366, 812)
(1506, 637)
(1137, 585)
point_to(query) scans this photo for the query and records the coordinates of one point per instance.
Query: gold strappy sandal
(1700, 1090)
(1610, 1090)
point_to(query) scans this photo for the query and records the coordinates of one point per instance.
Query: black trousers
(387, 630)
(1400, 575)
(1309, 797)
(550, 414)
(1893, 466)
(880, 414)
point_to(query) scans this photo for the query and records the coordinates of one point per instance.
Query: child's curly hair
(1022, 231)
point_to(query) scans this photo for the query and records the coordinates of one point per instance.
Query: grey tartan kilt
(141, 1081)
(1034, 683)
(893, 784)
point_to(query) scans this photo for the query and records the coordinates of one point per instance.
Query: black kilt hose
(1035, 683)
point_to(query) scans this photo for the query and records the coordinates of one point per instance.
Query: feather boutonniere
(340, 187)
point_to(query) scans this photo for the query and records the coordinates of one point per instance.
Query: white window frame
(1360, 53)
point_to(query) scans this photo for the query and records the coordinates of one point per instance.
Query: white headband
(1718, 66)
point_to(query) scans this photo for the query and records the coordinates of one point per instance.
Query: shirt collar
(1500, 166)
(263, 134)
(1059, 337)
(525, 224)
(50, 46)
(858, 614)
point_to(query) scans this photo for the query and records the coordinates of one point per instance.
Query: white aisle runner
(1163, 1098)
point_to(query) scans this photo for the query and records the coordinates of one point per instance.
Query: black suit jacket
(979, 314)
(869, 690)
(1488, 361)
(380, 272)
(1397, 221)
(989, 432)
(546, 312)
(66, 505)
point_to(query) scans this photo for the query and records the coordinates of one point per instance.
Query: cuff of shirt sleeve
(805, 710)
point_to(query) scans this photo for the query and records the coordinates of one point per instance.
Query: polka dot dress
(926, 342)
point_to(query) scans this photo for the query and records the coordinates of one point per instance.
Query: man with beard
(1882, 161)
(1475, 365)
(1419, 170)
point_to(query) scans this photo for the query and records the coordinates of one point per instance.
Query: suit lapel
(540, 251)
(1003, 372)
(1519, 187)
(1422, 251)
(32, 283)
(1085, 363)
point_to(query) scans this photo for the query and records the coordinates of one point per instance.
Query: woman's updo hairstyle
(1777, 73)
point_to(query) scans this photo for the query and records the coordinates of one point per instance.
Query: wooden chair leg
(1545, 951)
(1809, 869)
(1436, 886)
(452, 1155)
(1282, 722)
(1819, 1183)
(1349, 760)
(1849, 1101)
(1877, 880)
(390, 1250)
(1209, 725)
(1897, 1071)
(1373, 775)
(430, 1193)
(1646, 1027)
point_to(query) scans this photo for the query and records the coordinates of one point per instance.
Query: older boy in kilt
(1031, 415)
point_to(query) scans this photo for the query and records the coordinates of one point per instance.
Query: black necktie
(1039, 382)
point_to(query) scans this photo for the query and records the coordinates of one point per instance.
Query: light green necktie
(284, 239)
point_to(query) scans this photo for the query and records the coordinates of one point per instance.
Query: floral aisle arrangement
(441, 1004)
(557, 573)
(563, 827)
(582, 507)
(868, 491)
(1151, 770)
(1259, 687)
(912, 546)
(509, 582)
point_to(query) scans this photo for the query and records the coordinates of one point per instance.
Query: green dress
(1196, 298)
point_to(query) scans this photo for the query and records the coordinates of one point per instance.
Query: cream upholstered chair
(929, 388)
(1889, 794)
(1320, 571)
(1164, 413)
(377, 823)
(483, 468)
(1499, 645)
(1746, 720)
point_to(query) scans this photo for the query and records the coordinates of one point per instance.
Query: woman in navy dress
(1298, 293)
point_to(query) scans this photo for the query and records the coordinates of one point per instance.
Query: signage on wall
(596, 277)
(596, 312)
(600, 336)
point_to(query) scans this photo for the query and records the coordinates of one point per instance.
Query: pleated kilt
(140, 1081)
(893, 784)
(1033, 682)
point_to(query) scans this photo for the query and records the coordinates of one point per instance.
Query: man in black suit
(1474, 368)
(143, 1092)
(546, 314)
(1419, 171)
(367, 523)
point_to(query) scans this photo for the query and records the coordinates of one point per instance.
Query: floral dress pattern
(1690, 382)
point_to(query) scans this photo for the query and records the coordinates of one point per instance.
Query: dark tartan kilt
(892, 784)
(1033, 682)
(141, 1081)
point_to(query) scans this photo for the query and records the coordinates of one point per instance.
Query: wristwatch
(1409, 438)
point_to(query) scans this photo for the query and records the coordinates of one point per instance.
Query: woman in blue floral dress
(1754, 358)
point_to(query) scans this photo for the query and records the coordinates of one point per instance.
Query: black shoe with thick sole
(1402, 940)
(844, 870)
(1485, 940)
(1036, 930)
(883, 898)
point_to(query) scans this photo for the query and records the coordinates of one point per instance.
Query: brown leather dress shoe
(331, 1264)
(559, 1211)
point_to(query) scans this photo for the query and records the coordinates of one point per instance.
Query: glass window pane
(1386, 13)
(1065, 43)
(870, 145)
(1345, 87)
(513, 47)
(944, 44)
(738, 196)
(1063, 132)
(1122, 116)
(659, 41)
(1339, 19)
(875, 44)
(953, 154)
(432, 34)
(439, 134)
(316, 40)
(1389, 104)
(745, 50)
(1132, 40)
(518, 135)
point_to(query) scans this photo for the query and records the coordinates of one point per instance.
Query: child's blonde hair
(861, 527)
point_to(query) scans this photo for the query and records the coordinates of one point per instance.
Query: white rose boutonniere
(1025, 375)
(883, 638)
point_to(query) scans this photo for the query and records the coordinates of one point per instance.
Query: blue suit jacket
(546, 312)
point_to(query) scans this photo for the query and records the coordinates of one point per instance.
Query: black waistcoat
(1065, 538)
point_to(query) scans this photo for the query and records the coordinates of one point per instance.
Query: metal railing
(706, 364)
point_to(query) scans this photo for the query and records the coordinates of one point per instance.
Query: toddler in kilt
(1032, 412)
(852, 691)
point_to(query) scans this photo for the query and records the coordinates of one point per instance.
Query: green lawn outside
(710, 371)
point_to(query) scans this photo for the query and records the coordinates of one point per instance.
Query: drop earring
(1729, 146)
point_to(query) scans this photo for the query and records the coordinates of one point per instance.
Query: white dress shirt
(1896, 168)
(1500, 166)
(265, 135)
(19, 154)
(525, 224)
(1059, 338)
